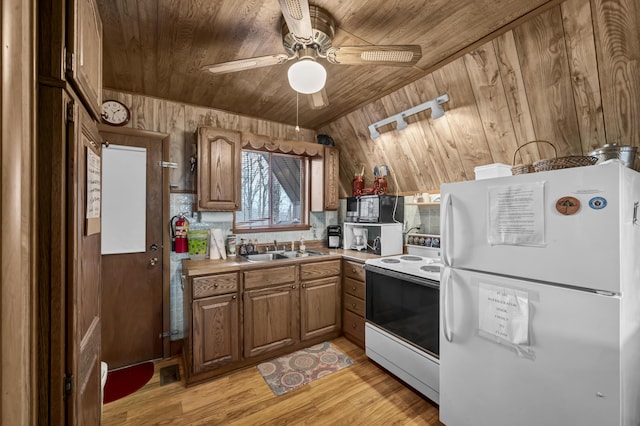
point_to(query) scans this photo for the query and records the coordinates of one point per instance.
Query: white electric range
(402, 312)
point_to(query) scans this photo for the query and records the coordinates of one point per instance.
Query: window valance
(267, 143)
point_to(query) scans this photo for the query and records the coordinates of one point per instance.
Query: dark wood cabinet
(320, 312)
(83, 62)
(325, 180)
(212, 323)
(271, 309)
(219, 169)
(215, 332)
(353, 301)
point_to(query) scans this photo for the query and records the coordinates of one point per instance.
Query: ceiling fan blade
(400, 55)
(318, 100)
(246, 64)
(298, 18)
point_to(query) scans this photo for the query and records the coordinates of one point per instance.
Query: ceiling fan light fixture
(307, 76)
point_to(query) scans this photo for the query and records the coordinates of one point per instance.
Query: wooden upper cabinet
(219, 164)
(325, 180)
(84, 53)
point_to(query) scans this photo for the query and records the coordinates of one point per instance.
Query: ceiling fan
(307, 32)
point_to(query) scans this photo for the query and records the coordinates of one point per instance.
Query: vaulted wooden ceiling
(157, 47)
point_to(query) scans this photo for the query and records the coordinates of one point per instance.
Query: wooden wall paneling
(516, 98)
(355, 148)
(147, 113)
(385, 145)
(398, 148)
(462, 116)
(486, 82)
(543, 59)
(583, 65)
(420, 144)
(616, 26)
(443, 156)
(181, 178)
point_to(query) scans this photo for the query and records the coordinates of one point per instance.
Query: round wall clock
(115, 113)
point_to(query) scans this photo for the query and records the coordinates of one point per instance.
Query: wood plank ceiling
(157, 47)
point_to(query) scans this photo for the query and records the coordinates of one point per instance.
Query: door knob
(153, 261)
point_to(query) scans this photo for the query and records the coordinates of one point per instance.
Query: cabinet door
(215, 332)
(271, 319)
(320, 307)
(331, 178)
(325, 180)
(84, 53)
(219, 169)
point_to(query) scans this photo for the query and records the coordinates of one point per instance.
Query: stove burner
(430, 268)
(390, 261)
(411, 258)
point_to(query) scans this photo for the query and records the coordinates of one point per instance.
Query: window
(273, 191)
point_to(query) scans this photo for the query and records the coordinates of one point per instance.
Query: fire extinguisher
(178, 227)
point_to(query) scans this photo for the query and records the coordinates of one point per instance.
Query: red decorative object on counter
(357, 185)
(380, 185)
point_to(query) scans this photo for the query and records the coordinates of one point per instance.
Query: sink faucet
(275, 245)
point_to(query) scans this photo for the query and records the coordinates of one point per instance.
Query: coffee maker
(334, 236)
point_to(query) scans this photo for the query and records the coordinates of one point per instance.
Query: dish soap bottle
(301, 244)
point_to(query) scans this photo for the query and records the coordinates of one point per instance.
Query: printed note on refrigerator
(516, 214)
(504, 313)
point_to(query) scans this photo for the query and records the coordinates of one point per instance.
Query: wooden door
(83, 382)
(319, 307)
(132, 283)
(271, 319)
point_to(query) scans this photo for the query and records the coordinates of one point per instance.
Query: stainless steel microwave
(375, 209)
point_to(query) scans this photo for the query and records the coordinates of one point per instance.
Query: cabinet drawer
(353, 304)
(353, 327)
(312, 271)
(353, 287)
(353, 270)
(214, 284)
(269, 276)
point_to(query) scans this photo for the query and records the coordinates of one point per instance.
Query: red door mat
(126, 381)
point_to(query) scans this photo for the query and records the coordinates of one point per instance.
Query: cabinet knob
(293, 286)
(353, 288)
(234, 296)
(304, 286)
(215, 285)
(353, 305)
(354, 270)
(353, 325)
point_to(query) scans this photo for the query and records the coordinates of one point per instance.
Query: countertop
(194, 268)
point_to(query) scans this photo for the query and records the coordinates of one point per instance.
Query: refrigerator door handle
(446, 305)
(447, 232)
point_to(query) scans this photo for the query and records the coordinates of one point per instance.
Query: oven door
(404, 305)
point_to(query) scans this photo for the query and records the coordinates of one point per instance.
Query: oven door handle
(447, 231)
(446, 288)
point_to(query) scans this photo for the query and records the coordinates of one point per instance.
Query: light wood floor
(362, 394)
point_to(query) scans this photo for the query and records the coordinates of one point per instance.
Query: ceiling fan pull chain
(297, 127)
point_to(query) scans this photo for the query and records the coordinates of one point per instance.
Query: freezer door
(516, 353)
(582, 249)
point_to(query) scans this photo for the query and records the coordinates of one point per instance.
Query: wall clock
(115, 113)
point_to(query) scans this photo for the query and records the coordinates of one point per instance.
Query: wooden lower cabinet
(271, 319)
(215, 332)
(237, 319)
(319, 307)
(353, 301)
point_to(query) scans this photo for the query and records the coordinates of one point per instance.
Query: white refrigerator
(540, 299)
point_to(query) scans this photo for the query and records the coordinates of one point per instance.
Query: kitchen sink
(278, 255)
